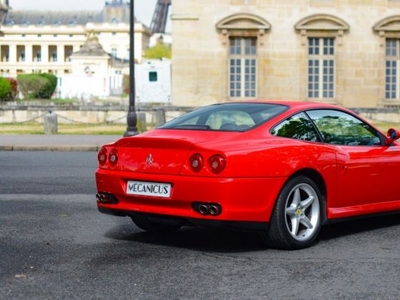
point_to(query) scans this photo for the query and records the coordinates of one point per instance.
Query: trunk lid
(164, 151)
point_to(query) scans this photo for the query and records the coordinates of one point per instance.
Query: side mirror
(392, 135)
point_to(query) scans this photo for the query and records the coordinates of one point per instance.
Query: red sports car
(278, 167)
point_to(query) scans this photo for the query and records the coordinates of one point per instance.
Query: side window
(297, 127)
(341, 128)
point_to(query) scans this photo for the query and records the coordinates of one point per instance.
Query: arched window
(389, 33)
(242, 34)
(322, 34)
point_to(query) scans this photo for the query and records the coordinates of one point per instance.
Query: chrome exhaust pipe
(203, 209)
(214, 210)
(99, 197)
(106, 198)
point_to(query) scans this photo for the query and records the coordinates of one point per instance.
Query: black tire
(296, 219)
(150, 226)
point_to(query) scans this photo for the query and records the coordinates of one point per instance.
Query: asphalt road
(54, 244)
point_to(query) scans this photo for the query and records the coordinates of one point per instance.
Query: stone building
(34, 41)
(345, 52)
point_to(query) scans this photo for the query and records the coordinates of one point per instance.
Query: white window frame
(392, 69)
(242, 26)
(243, 67)
(321, 58)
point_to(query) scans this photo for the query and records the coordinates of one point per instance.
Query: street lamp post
(131, 119)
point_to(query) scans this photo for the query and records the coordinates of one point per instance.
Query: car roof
(296, 104)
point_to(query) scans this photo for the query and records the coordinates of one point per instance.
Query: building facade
(345, 52)
(52, 41)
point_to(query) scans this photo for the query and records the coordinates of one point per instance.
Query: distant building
(336, 51)
(61, 42)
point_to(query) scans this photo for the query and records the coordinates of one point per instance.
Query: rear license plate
(145, 188)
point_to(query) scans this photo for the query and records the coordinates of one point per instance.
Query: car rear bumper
(240, 199)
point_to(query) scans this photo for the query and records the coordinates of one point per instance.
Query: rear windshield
(227, 117)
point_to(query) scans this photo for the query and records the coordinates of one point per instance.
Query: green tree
(5, 88)
(159, 51)
(48, 89)
(39, 86)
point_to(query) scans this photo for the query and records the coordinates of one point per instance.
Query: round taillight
(217, 163)
(196, 162)
(102, 156)
(113, 157)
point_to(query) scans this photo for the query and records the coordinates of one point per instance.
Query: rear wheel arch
(298, 212)
(317, 178)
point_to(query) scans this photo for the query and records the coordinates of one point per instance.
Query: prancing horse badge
(149, 159)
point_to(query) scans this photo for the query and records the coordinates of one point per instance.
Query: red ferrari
(278, 167)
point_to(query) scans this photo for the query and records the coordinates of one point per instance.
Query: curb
(81, 148)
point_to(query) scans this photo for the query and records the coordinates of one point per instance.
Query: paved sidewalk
(56, 142)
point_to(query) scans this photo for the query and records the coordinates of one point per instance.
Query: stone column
(50, 124)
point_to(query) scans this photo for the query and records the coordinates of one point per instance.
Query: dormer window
(41, 21)
(8, 21)
(73, 21)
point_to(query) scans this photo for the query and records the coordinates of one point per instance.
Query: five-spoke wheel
(296, 219)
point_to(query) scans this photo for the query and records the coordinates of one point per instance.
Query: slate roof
(117, 12)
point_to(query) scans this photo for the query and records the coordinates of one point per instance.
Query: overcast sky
(143, 9)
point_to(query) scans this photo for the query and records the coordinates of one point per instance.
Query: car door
(368, 170)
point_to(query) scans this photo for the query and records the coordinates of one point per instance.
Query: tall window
(321, 68)
(38, 56)
(242, 67)
(69, 53)
(392, 69)
(54, 55)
